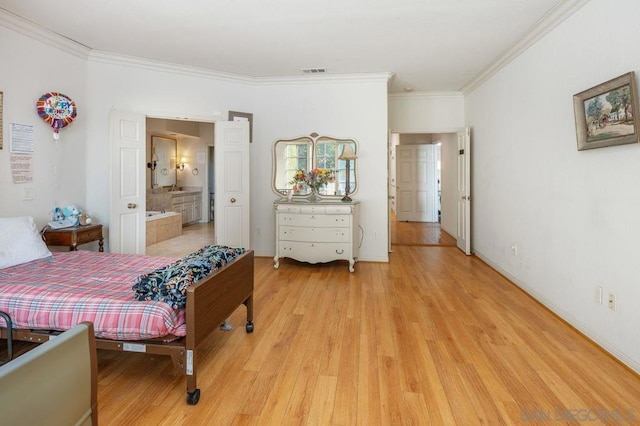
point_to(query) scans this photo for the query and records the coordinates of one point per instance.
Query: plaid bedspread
(58, 292)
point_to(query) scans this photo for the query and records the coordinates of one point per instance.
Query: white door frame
(463, 235)
(142, 186)
(452, 130)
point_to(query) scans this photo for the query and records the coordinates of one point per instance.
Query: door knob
(132, 205)
(233, 200)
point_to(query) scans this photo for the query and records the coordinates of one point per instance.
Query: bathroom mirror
(309, 152)
(165, 152)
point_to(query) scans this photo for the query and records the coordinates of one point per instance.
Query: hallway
(419, 234)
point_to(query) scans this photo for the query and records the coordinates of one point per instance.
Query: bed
(47, 293)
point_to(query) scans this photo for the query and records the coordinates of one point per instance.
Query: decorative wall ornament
(56, 109)
(606, 115)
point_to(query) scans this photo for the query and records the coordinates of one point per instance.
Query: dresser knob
(340, 251)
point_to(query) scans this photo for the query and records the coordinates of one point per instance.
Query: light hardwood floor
(433, 337)
(419, 234)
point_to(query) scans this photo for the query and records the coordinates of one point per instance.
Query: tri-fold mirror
(314, 152)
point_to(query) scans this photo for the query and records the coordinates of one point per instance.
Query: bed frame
(209, 303)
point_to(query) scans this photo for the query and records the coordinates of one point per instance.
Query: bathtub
(154, 215)
(163, 226)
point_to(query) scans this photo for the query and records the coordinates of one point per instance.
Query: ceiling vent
(313, 70)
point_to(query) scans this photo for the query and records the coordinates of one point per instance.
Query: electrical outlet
(612, 301)
(599, 295)
(375, 235)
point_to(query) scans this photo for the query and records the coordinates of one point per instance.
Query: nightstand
(74, 236)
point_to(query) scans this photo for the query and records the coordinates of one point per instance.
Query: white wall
(426, 112)
(29, 70)
(574, 216)
(415, 138)
(354, 109)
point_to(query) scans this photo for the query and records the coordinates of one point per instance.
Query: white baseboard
(570, 319)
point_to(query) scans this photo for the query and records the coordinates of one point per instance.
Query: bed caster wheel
(249, 327)
(193, 397)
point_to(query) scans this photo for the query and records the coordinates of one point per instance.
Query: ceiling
(428, 45)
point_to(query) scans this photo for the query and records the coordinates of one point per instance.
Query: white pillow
(20, 241)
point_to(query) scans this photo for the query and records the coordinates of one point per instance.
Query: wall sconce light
(154, 162)
(348, 154)
(181, 164)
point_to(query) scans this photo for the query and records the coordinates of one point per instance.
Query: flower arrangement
(313, 179)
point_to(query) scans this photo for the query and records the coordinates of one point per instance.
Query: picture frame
(243, 116)
(606, 115)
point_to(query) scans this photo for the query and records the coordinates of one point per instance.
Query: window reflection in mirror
(291, 155)
(328, 152)
(165, 151)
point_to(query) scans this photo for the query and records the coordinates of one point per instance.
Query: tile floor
(193, 238)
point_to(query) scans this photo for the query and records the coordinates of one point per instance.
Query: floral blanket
(169, 283)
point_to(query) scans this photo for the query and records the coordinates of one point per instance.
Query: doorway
(193, 151)
(439, 227)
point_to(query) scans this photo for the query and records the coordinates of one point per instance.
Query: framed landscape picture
(606, 115)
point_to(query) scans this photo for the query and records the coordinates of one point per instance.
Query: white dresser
(317, 232)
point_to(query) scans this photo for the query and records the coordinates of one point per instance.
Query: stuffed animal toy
(85, 219)
(57, 214)
(72, 212)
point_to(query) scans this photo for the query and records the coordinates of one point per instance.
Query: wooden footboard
(209, 302)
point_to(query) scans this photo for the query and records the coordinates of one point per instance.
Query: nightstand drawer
(90, 235)
(74, 236)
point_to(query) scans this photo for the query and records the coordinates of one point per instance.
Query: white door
(464, 191)
(232, 206)
(127, 225)
(416, 189)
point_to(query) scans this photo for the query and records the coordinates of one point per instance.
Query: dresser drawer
(313, 209)
(314, 252)
(312, 220)
(338, 210)
(284, 208)
(321, 235)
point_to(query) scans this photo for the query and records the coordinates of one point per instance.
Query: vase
(313, 195)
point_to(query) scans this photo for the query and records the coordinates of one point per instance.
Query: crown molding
(325, 78)
(426, 95)
(546, 24)
(150, 64)
(36, 32)
(154, 65)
